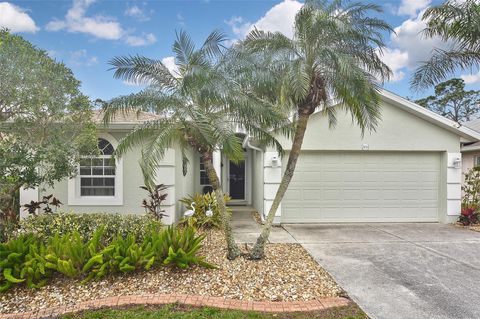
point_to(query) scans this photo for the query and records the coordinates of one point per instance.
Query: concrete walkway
(400, 270)
(246, 229)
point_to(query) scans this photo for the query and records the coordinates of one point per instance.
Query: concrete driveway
(400, 270)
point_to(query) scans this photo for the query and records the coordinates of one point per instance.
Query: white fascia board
(430, 116)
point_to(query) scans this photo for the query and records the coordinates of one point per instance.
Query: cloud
(76, 21)
(412, 7)
(396, 60)
(15, 19)
(471, 78)
(280, 17)
(102, 27)
(144, 39)
(409, 47)
(141, 14)
(81, 58)
(180, 19)
(170, 64)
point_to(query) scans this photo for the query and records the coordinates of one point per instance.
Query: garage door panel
(368, 186)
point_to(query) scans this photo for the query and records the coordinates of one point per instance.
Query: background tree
(332, 57)
(44, 120)
(457, 22)
(203, 106)
(452, 101)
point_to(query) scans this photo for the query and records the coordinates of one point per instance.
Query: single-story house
(408, 170)
(471, 151)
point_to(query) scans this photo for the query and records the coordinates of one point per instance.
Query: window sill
(95, 201)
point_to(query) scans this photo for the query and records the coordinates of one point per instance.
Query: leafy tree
(457, 22)
(202, 106)
(332, 57)
(452, 101)
(44, 120)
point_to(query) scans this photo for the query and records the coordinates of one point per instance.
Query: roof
(432, 117)
(473, 124)
(127, 118)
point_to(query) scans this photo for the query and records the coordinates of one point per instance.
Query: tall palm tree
(202, 106)
(332, 58)
(457, 22)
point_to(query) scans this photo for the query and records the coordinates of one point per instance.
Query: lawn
(183, 312)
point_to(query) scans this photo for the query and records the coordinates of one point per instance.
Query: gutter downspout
(246, 143)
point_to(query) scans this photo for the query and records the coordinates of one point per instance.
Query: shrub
(29, 259)
(468, 216)
(471, 188)
(48, 225)
(203, 203)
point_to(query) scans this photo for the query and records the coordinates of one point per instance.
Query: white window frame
(476, 161)
(202, 171)
(74, 191)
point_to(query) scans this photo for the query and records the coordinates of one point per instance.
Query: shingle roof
(125, 118)
(473, 124)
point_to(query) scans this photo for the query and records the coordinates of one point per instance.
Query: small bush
(203, 203)
(29, 259)
(471, 188)
(48, 225)
(469, 216)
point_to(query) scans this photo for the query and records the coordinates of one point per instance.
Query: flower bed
(288, 273)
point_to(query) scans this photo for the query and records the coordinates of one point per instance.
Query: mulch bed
(288, 273)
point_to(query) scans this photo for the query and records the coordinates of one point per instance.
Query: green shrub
(30, 259)
(203, 203)
(48, 225)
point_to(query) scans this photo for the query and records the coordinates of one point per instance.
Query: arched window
(97, 173)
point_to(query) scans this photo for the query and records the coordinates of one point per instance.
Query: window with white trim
(203, 174)
(97, 173)
(477, 161)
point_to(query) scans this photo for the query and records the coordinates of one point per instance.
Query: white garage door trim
(364, 187)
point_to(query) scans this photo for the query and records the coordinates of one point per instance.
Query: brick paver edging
(192, 300)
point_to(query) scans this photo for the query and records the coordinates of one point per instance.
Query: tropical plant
(452, 101)
(34, 206)
(28, 259)
(44, 121)
(156, 196)
(455, 22)
(333, 58)
(207, 213)
(202, 107)
(468, 216)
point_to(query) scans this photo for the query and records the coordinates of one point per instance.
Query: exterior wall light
(457, 163)
(365, 147)
(275, 161)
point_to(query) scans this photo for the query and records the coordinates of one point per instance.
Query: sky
(87, 34)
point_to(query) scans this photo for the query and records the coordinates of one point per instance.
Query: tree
(452, 101)
(202, 107)
(332, 57)
(44, 120)
(457, 22)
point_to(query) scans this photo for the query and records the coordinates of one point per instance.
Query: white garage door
(363, 187)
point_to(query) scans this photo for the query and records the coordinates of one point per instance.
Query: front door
(236, 180)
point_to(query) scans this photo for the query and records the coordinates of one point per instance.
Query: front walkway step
(246, 229)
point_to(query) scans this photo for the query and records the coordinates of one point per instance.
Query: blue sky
(86, 34)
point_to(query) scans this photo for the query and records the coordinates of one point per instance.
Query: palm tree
(456, 22)
(201, 106)
(331, 59)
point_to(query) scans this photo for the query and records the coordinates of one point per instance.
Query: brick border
(191, 300)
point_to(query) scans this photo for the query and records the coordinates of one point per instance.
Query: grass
(185, 312)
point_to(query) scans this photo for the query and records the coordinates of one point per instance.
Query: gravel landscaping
(288, 273)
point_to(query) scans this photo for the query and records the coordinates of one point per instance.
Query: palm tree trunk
(258, 250)
(233, 250)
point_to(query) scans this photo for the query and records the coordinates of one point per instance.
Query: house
(408, 170)
(471, 151)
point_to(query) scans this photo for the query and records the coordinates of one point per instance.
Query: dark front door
(237, 180)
